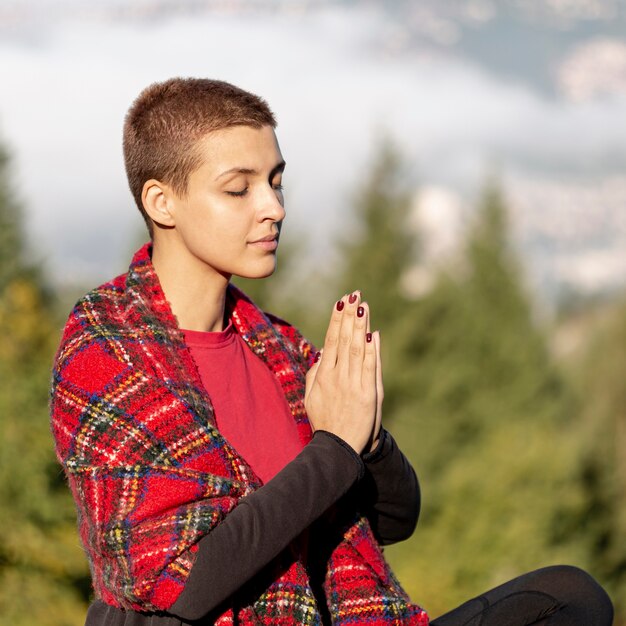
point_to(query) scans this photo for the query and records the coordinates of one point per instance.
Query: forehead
(242, 147)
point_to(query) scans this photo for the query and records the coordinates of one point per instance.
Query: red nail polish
(360, 312)
(352, 298)
(317, 357)
(340, 305)
(368, 337)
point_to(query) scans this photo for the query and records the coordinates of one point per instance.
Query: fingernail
(360, 312)
(340, 305)
(368, 337)
(352, 298)
(317, 357)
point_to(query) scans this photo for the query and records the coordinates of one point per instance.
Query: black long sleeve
(391, 488)
(266, 521)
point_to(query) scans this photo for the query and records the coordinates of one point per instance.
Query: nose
(271, 205)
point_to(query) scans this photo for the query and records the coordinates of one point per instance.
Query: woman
(223, 471)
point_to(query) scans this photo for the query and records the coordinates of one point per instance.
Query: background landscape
(463, 163)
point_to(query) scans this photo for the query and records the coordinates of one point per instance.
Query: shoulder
(86, 362)
(94, 319)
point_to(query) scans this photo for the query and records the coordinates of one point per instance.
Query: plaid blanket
(151, 474)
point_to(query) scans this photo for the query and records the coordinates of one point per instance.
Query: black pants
(552, 596)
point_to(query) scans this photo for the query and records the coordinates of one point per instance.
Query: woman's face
(230, 218)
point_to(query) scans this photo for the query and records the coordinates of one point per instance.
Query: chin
(259, 272)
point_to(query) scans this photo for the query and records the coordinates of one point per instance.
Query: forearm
(266, 521)
(391, 489)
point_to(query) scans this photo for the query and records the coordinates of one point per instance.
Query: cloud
(64, 100)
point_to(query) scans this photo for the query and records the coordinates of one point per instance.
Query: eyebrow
(279, 167)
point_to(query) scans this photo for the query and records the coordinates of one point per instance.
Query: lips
(272, 237)
(269, 243)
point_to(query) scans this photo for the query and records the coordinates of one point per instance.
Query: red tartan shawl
(151, 474)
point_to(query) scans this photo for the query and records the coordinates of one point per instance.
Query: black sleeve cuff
(350, 451)
(382, 449)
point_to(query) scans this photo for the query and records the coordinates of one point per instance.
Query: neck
(196, 292)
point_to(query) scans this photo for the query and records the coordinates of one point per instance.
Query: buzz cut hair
(164, 125)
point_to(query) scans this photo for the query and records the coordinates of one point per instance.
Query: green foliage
(377, 254)
(482, 407)
(11, 227)
(381, 248)
(484, 353)
(601, 524)
(41, 565)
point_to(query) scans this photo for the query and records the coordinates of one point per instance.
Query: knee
(574, 578)
(579, 589)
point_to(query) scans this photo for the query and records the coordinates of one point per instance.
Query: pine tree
(43, 573)
(482, 410)
(377, 253)
(601, 524)
(382, 247)
(11, 227)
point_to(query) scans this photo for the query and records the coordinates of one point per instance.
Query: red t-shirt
(250, 408)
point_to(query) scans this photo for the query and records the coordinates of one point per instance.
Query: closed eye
(238, 194)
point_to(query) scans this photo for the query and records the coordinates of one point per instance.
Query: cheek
(215, 226)
(215, 235)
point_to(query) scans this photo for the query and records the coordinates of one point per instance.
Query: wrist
(349, 449)
(379, 449)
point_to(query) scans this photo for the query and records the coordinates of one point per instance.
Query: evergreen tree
(378, 252)
(11, 227)
(382, 247)
(482, 409)
(43, 573)
(601, 524)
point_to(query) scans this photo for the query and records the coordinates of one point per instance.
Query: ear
(156, 198)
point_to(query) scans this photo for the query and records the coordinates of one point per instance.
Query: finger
(380, 391)
(368, 373)
(379, 363)
(346, 330)
(357, 345)
(311, 374)
(331, 340)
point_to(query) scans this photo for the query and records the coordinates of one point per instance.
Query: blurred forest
(517, 429)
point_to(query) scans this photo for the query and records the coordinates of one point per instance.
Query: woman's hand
(343, 387)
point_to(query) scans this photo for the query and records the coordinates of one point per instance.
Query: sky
(465, 89)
